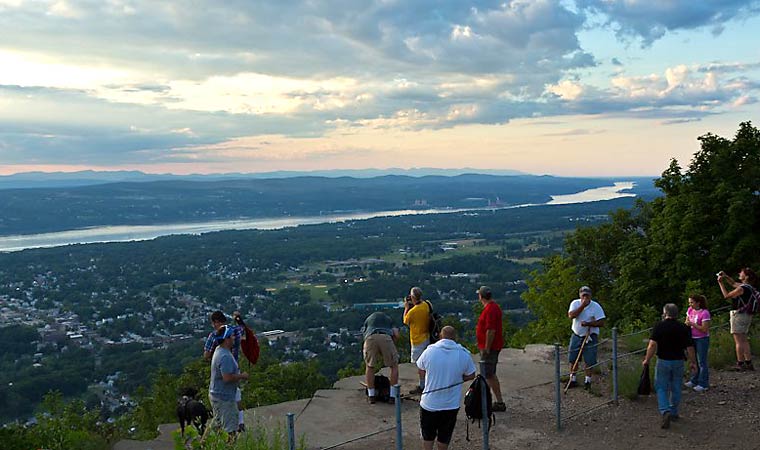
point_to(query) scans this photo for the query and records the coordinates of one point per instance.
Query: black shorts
(438, 424)
(490, 362)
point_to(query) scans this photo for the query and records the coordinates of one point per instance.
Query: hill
(723, 417)
(27, 211)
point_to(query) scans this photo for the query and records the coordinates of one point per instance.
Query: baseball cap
(584, 290)
(484, 291)
(224, 332)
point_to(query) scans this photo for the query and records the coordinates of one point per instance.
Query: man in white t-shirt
(446, 365)
(587, 317)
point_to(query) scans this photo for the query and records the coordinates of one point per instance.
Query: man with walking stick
(587, 316)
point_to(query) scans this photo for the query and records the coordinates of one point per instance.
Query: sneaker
(572, 384)
(587, 385)
(665, 424)
(415, 391)
(371, 399)
(689, 384)
(241, 428)
(699, 388)
(499, 407)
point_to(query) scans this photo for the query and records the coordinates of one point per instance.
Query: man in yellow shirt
(417, 317)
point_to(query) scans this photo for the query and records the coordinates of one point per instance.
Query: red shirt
(490, 319)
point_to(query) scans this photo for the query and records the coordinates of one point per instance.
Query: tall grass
(258, 438)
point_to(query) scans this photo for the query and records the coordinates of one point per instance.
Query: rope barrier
(359, 438)
(588, 410)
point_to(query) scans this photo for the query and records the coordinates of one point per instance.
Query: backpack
(382, 388)
(435, 324)
(473, 404)
(751, 306)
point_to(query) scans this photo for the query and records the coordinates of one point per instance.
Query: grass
(258, 438)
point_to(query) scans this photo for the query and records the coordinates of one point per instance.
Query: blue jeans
(668, 376)
(702, 377)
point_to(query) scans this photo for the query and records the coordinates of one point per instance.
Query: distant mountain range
(26, 180)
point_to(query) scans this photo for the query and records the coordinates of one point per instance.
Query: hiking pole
(577, 359)
(484, 402)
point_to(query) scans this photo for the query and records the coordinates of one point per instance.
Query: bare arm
(651, 350)
(207, 355)
(468, 377)
(234, 377)
(704, 328)
(594, 323)
(577, 311)
(490, 336)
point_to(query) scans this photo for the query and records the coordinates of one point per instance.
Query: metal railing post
(484, 402)
(396, 393)
(615, 365)
(557, 387)
(291, 431)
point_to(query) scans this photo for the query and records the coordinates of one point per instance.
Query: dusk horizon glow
(559, 87)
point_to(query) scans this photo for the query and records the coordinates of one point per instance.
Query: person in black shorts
(446, 365)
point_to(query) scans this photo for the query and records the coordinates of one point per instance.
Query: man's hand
(485, 352)
(693, 367)
(586, 300)
(644, 362)
(244, 376)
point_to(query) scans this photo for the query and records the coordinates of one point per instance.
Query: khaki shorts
(740, 322)
(418, 349)
(380, 351)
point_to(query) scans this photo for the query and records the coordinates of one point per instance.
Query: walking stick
(577, 359)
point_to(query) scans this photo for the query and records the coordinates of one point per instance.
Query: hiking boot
(689, 384)
(674, 417)
(739, 367)
(572, 384)
(416, 390)
(665, 424)
(699, 388)
(499, 407)
(241, 428)
(371, 399)
(748, 366)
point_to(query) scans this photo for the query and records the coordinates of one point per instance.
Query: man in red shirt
(490, 342)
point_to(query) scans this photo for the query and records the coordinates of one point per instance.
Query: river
(125, 233)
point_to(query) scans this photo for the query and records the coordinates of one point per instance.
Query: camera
(719, 274)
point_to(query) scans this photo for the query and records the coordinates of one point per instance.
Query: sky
(569, 88)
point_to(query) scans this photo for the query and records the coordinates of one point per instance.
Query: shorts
(490, 362)
(380, 351)
(225, 414)
(418, 349)
(740, 322)
(438, 424)
(589, 350)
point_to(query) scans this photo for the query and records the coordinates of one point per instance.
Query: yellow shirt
(418, 319)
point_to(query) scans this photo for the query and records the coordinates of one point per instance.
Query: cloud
(651, 20)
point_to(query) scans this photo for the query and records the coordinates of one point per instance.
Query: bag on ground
(436, 323)
(473, 404)
(645, 382)
(382, 388)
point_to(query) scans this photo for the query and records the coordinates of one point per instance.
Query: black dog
(191, 411)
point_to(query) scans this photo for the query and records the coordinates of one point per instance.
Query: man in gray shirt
(379, 349)
(225, 376)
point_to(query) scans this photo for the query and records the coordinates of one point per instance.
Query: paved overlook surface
(727, 416)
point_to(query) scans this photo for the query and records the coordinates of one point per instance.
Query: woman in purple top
(698, 319)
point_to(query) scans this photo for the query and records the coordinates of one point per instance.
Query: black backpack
(473, 404)
(752, 305)
(382, 388)
(435, 324)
